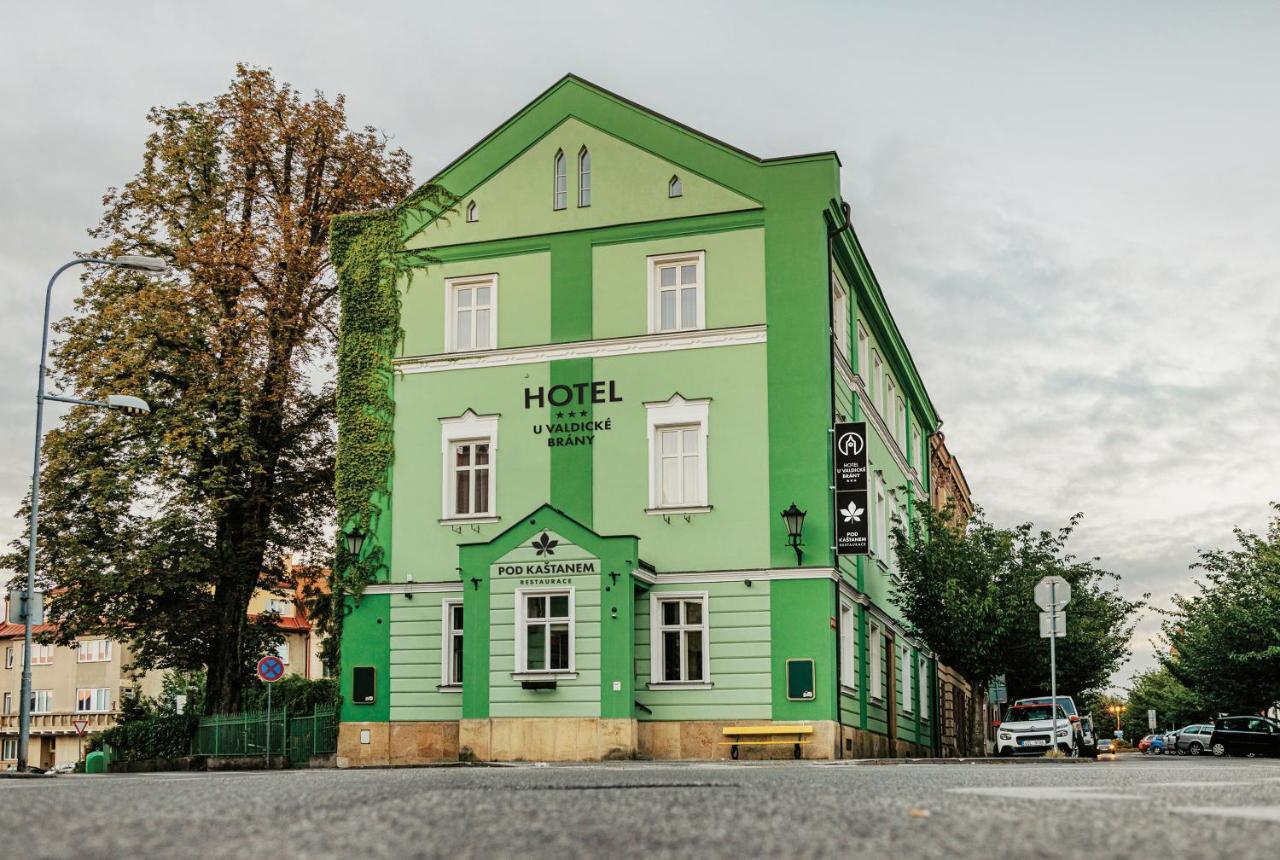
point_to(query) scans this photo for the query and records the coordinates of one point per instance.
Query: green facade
(745, 388)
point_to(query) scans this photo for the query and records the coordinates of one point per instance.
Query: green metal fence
(247, 734)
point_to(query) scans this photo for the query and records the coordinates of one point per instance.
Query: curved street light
(125, 403)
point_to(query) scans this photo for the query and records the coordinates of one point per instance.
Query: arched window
(584, 177)
(473, 211)
(560, 198)
(674, 189)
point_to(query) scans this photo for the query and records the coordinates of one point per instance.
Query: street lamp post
(129, 405)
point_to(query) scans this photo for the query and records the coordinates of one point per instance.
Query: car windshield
(1064, 702)
(1029, 713)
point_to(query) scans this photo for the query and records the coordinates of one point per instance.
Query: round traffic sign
(271, 668)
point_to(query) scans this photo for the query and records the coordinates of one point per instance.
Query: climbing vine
(369, 257)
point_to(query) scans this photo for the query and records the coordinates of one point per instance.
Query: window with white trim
(876, 379)
(848, 644)
(41, 655)
(678, 642)
(8, 657)
(875, 659)
(924, 690)
(864, 352)
(907, 685)
(93, 701)
(840, 315)
(880, 518)
(9, 749)
(544, 640)
(93, 651)
(469, 445)
(584, 177)
(41, 701)
(916, 443)
(676, 295)
(895, 520)
(900, 423)
(280, 606)
(677, 432)
(471, 313)
(886, 403)
(8, 704)
(282, 651)
(451, 634)
(560, 193)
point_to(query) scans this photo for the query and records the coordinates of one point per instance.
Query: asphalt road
(1132, 808)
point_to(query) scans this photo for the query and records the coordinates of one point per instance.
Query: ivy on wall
(368, 254)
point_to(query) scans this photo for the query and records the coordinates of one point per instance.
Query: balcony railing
(59, 723)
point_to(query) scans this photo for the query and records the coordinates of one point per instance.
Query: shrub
(149, 738)
(294, 693)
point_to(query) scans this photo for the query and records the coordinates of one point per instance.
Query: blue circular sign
(271, 668)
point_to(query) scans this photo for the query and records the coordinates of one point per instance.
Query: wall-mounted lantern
(355, 541)
(794, 519)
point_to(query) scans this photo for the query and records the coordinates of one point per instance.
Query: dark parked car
(1245, 736)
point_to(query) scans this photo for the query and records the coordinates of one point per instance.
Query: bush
(153, 737)
(294, 693)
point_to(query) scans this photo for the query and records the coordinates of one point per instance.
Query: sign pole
(1053, 659)
(268, 727)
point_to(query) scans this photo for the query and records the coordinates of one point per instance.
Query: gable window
(560, 196)
(875, 660)
(93, 651)
(840, 315)
(676, 300)
(678, 641)
(471, 313)
(848, 645)
(544, 641)
(677, 432)
(93, 701)
(584, 177)
(674, 188)
(469, 446)
(473, 212)
(451, 633)
(907, 686)
(41, 701)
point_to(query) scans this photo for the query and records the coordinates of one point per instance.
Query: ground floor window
(545, 640)
(848, 645)
(907, 687)
(8, 704)
(875, 660)
(452, 643)
(41, 701)
(10, 749)
(93, 701)
(924, 690)
(679, 652)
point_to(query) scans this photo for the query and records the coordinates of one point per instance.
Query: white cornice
(605, 347)
(411, 587)
(869, 409)
(755, 575)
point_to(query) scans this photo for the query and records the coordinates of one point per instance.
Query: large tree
(968, 592)
(157, 530)
(1225, 639)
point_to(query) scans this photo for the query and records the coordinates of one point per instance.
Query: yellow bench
(759, 736)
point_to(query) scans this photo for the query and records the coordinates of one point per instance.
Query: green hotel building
(619, 360)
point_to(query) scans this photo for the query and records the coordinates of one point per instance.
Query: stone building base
(703, 739)
(546, 739)
(397, 744)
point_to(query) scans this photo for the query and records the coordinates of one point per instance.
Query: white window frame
(93, 651)
(840, 315)
(668, 414)
(658, 261)
(848, 644)
(42, 701)
(875, 660)
(281, 606)
(584, 178)
(887, 396)
(675, 188)
(448, 674)
(900, 423)
(657, 655)
(282, 651)
(894, 519)
(41, 655)
(864, 352)
(922, 677)
(559, 176)
(470, 282)
(908, 690)
(880, 517)
(99, 700)
(468, 427)
(7, 707)
(8, 657)
(9, 749)
(876, 380)
(522, 633)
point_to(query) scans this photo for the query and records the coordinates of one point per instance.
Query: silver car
(1194, 740)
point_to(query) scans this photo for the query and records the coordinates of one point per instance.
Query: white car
(1027, 730)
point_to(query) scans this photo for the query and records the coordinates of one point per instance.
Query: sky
(1073, 209)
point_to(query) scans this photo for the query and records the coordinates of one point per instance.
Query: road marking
(1050, 792)
(1256, 813)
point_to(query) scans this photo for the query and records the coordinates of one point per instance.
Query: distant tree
(1158, 690)
(969, 594)
(158, 530)
(1225, 639)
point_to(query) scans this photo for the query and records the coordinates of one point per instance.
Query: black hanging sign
(853, 534)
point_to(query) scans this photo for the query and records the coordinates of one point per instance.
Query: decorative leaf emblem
(545, 545)
(852, 513)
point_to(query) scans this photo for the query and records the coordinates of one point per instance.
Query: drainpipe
(831, 429)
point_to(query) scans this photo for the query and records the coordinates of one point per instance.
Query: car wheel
(1219, 749)
(1195, 748)
(1157, 752)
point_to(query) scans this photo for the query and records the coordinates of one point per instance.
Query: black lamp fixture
(794, 518)
(355, 540)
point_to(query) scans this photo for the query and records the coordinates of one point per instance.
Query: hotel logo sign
(853, 533)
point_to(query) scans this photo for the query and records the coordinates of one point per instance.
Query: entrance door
(47, 752)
